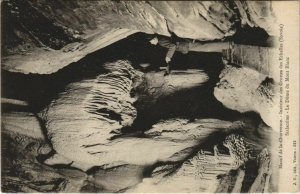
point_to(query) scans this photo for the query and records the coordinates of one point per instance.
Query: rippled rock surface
(90, 112)
(213, 171)
(171, 143)
(87, 139)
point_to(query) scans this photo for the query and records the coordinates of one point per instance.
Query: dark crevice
(252, 36)
(250, 175)
(43, 128)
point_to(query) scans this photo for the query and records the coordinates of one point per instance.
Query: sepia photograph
(113, 96)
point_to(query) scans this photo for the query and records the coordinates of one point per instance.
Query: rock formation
(210, 172)
(89, 113)
(244, 89)
(92, 112)
(241, 150)
(85, 131)
(258, 14)
(71, 30)
(155, 85)
(257, 58)
(262, 181)
(123, 130)
(167, 141)
(25, 123)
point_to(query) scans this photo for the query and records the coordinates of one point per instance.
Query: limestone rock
(258, 14)
(44, 60)
(166, 141)
(244, 89)
(118, 178)
(239, 149)
(84, 123)
(76, 29)
(155, 85)
(262, 181)
(22, 171)
(71, 30)
(89, 113)
(14, 102)
(25, 123)
(198, 174)
(182, 130)
(190, 21)
(215, 171)
(257, 58)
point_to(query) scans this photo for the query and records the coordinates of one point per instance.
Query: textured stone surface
(244, 89)
(155, 85)
(262, 181)
(170, 141)
(87, 147)
(187, 156)
(198, 174)
(118, 178)
(167, 141)
(23, 123)
(89, 113)
(23, 171)
(258, 14)
(43, 37)
(206, 20)
(240, 149)
(208, 171)
(44, 60)
(258, 58)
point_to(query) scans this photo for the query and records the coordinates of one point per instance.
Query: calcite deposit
(244, 89)
(211, 171)
(92, 113)
(89, 120)
(89, 113)
(73, 29)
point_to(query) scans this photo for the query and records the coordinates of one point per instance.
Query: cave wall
(42, 37)
(74, 29)
(184, 154)
(212, 171)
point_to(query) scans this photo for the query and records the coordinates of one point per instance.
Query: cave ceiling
(43, 36)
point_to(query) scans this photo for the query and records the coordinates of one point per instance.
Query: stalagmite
(89, 113)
